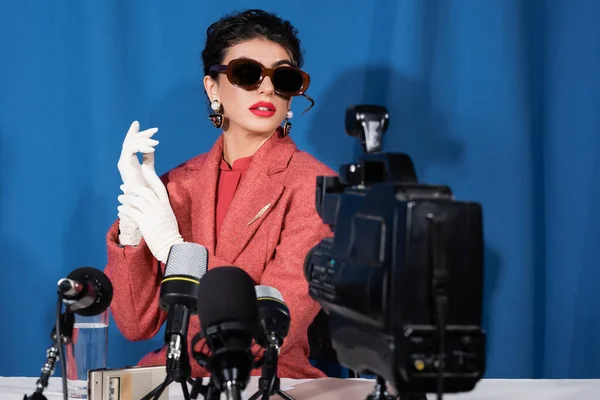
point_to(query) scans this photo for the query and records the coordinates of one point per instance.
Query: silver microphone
(186, 264)
(274, 316)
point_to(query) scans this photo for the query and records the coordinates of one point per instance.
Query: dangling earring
(287, 127)
(216, 118)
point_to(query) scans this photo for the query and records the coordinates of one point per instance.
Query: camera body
(401, 279)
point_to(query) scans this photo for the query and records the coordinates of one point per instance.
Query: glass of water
(87, 351)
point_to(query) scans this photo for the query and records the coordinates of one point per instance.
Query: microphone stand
(226, 374)
(269, 383)
(208, 392)
(178, 370)
(211, 391)
(380, 392)
(66, 324)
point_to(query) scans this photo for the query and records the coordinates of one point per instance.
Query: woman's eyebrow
(282, 62)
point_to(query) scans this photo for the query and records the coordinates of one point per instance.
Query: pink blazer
(270, 247)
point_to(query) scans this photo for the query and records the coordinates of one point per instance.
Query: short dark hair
(239, 27)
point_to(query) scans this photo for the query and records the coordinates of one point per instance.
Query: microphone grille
(187, 258)
(226, 294)
(263, 291)
(103, 285)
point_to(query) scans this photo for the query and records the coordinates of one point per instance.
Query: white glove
(131, 174)
(129, 232)
(149, 207)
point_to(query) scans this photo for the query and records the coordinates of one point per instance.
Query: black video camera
(402, 277)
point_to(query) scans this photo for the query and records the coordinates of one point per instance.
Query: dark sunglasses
(249, 74)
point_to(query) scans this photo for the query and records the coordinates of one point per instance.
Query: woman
(250, 200)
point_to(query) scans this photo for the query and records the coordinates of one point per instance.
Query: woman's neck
(237, 144)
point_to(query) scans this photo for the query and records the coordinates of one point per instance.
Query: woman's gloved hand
(131, 174)
(149, 207)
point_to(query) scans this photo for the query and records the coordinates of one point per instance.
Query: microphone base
(35, 396)
(269, 383)
(66, 322)
(157, 391)
(208, 391)
(233, 391)
(380, 393)
(266, 390)
(178, 370)
(211, 391)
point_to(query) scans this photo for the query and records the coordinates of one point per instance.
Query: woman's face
(240, 106)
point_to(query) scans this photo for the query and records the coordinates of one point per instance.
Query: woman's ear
(211, 86)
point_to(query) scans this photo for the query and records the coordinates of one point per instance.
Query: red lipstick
(263, 109)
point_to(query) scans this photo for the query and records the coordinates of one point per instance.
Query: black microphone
(229, 317)
(274, 316)
(186, 264)
(86, 291)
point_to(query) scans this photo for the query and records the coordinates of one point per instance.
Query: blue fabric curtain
(498, 99)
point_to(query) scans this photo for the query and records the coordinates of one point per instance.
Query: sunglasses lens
(287, 80)
(246, 73)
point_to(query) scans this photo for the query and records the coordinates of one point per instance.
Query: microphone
(86, 291)
(228, 314)
(186, 264)
(274, 318)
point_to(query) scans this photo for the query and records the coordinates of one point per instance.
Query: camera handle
(368, 123)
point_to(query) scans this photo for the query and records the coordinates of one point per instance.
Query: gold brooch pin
(260, 214)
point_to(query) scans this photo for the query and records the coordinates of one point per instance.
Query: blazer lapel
(256, 196)
(204, 190)
(254, 199)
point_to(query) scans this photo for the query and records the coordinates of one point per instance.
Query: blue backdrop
(498, 98)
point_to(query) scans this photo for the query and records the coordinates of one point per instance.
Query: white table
(13, 388)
